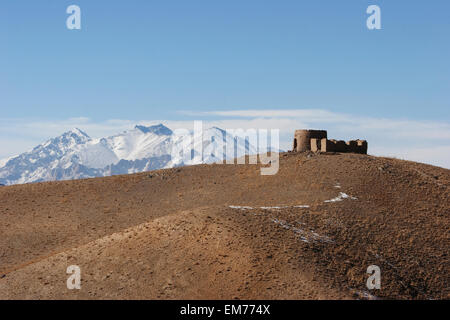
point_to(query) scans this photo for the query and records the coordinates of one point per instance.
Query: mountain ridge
(74, 154)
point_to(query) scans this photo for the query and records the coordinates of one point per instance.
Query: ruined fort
(316, 140)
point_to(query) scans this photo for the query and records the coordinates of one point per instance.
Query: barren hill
(225, 231)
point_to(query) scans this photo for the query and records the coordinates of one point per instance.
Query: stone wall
(354, 146)
(316, 140)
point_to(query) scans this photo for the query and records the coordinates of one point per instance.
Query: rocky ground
(226, 232)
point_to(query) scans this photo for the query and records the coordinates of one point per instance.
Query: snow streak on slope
(75, 155)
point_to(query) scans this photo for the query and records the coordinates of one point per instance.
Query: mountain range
(75, 155)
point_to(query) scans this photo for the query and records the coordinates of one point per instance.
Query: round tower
(302, 139)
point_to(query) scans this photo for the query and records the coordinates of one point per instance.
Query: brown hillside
(225, 231)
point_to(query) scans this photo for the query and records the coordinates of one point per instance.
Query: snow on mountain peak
(218, 129)
(74, 155)
(70, 138)
(158, 129)
(74, 133)
(79, 132)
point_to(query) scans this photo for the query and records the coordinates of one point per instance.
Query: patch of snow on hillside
(341, 197)
(241, 207)
(304, 235)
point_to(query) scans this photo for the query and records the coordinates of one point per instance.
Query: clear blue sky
(151, 59)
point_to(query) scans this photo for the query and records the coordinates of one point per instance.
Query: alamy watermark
(374, 280)
(230, 146)
(374, 20)
(73, 22)
(74, 280)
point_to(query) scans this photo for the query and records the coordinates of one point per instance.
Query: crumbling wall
(316, 144)
(362, 146)
(354, 146)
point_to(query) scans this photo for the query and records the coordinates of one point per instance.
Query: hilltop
(226, 232)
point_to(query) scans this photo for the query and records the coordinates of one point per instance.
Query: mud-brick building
(316, 140)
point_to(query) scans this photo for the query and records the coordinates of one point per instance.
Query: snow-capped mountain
(75, 155)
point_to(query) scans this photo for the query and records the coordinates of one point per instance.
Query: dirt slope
(225, 231)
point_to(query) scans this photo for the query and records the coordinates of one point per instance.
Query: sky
(267, 63)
